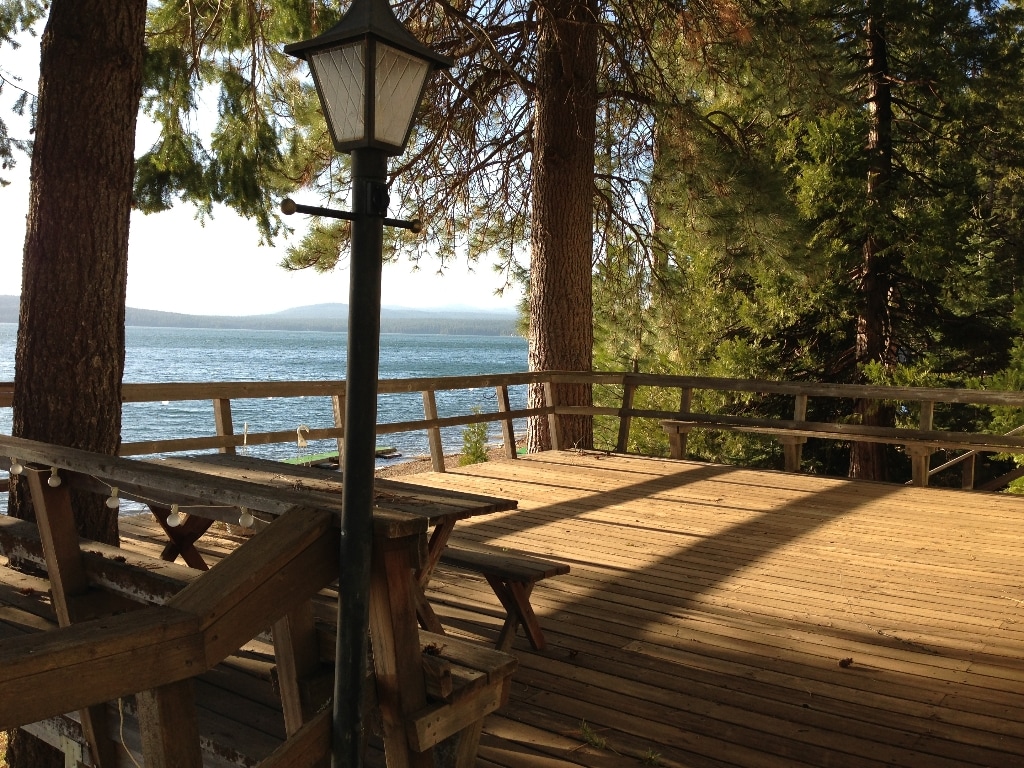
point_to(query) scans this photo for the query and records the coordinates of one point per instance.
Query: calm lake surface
(190, 355)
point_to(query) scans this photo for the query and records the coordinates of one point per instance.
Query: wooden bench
(512, 576)
(919, 443)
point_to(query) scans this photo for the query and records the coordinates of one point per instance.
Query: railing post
(222, 417)
(338, 406)
(792, 447)
(967, 472)
(551, 401)
(507, 427)
(920, 456)
(677, 440)
(433, 433)
(628, 390)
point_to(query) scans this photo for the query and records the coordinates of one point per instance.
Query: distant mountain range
(457, 321)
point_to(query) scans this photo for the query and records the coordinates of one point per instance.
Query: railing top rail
(814, 389)
(149, 392)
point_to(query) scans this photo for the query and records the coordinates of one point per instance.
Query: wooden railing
(920, 443)
(227, 438)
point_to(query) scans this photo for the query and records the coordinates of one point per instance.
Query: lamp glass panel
(341, 77)
(399, 83)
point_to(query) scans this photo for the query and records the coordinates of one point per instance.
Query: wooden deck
(721, 616)
(717, 616)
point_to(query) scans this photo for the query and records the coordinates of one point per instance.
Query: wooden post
(433, 433)
(628, 390)
(69, 586)
(967, 467)
(677, 440)
(507, 427)
(222, 417)
(169, 727)
(920, 456)
(338, 405)
(551, 401)
(792, 447)
(297, 653)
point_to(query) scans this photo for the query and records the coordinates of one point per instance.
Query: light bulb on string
(174, 519)
(54, 479)
(112, 501)
(16, 467)
(246, 520)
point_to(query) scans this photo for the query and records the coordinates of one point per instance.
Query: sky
(176, 264)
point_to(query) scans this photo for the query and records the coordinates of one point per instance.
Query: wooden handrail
(221, 394)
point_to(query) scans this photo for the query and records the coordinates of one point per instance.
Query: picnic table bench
(512, 576)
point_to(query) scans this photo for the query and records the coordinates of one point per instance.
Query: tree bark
(71, 344)
(70, 352)
(562, 218)
(875, 338)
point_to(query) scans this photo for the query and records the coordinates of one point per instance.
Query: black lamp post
(370, 72)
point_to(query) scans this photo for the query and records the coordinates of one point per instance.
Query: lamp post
(369, 72)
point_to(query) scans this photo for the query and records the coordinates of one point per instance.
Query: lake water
(190, 355)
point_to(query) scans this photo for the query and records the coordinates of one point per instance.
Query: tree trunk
(70, 352)
(562, 223)
(875, 341)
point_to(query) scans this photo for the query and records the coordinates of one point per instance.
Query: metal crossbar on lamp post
(370, 72)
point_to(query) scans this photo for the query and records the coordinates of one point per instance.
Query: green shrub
(474, 443)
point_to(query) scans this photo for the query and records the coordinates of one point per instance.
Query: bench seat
(512, 576)
(929, 439)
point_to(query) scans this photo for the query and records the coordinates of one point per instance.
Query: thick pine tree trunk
(70, 352)
(562, 235)
(875, 341)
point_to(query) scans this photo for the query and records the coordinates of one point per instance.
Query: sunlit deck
(723, 616)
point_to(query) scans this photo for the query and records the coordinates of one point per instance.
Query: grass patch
(592, 737)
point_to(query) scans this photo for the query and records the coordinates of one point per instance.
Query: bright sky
(176, 264)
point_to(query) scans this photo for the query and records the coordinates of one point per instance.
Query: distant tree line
(425, 322)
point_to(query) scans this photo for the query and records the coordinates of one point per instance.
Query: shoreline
(420, 464)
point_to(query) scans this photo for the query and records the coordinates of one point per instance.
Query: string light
(246, 520)
(113, 502)
(16, 467)
(54, 479)
(174, 519)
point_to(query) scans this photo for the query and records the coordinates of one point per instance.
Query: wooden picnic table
(440, 508)
(397, 603)
(429, 689)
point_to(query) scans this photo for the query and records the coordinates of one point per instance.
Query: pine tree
(784, 247)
